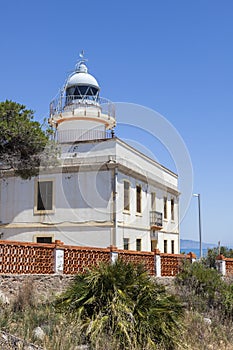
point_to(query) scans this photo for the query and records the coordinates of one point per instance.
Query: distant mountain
(189, 244)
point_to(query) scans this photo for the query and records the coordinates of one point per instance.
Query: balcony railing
(70, 103)
(156, 219)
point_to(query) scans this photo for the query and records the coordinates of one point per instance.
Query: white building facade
(102, 192)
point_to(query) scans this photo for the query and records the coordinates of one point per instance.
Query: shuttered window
(138, 244)
(126, 195)
(126, 243)
(138, 199)
(165, 246)
(44, 195)
(165, 207)
(172, 246)
(172, 209)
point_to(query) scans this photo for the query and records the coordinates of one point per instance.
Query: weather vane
(81, 60)
(82, 53)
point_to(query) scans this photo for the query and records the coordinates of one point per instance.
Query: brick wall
(77, 259)
(146, 258)
(36, 258)
(224, 265)
(229, 266)
(170, 263)
(26, 258)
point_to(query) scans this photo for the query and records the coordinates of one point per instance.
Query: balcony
(156, 220)
(100, 105)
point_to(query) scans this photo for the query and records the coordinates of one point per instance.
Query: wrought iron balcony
(156, 220)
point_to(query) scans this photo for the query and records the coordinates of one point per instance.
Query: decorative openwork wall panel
(26, 258)
(77, 259)
(139, 258)
(229, 266)
(35, 258)
(170, 263)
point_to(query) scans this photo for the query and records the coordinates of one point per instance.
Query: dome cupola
(80, 84)
(78, 113)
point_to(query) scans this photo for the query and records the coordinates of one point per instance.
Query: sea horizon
(195, 251)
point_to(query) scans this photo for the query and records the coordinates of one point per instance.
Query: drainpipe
(178, 224)
(114, 193)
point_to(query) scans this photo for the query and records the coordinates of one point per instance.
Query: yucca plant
(120, 302)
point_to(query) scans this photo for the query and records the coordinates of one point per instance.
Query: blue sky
(175, 57)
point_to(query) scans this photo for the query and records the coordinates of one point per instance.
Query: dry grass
(61, 333)
(26, 296)
(199, 335)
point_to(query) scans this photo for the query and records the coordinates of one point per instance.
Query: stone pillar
(59, 257)
(221, 264)
(157, 261)
(113, 254)
(192, 257)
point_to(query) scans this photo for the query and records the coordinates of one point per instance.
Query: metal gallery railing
(73, 102)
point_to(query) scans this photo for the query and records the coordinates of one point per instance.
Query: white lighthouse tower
(102, 191)
(78, 113)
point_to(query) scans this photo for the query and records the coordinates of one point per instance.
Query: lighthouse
(102, 192)
(78, 113)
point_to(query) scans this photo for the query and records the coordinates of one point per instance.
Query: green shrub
(228, 301)
(200, 279)
(210, 259)
(121, 303)
(203, 289)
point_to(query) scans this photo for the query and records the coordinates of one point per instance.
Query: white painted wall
(137, 161)
(79, 197)
(78, 130)
(92, 236)
(83, 199)
(133, 225)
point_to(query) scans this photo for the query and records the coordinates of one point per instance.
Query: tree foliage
(204, 290)
(121, 303)
(201, 281)
(22, 139)
(210, 259)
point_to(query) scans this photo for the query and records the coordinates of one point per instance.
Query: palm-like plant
(121, 302)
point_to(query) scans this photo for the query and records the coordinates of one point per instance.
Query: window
(138, 244)
(172, 209)
(126, 195)
(44, 196)
(44, 239)
(153, 201)
(138, 199)
(172, 247)
(165, 207)
(126, 243)
(165, 246)
(154, 244)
